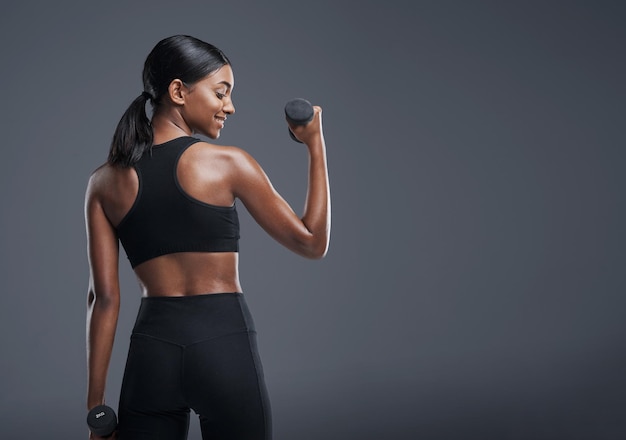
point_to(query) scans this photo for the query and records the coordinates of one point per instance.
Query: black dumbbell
(299, 112)
(102, 420)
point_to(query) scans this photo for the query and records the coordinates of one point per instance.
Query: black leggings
(196, 352)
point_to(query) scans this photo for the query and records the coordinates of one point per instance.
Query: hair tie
(146, 95)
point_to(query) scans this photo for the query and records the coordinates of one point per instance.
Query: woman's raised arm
(308, 235)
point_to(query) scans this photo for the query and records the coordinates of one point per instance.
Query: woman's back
(203, 176)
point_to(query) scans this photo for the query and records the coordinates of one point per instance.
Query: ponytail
(133, 135)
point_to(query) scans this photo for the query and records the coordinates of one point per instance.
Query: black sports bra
(164, 219)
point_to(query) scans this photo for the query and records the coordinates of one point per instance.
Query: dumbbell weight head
(299, 111)
(102, 420)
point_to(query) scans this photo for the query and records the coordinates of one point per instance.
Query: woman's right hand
(307, 133)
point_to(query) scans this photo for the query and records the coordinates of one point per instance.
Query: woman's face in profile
(208, 102)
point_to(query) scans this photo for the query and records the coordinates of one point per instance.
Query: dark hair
(177, 57)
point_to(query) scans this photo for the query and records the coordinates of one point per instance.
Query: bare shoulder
(107, 178)
(230, 156)
(98, 179)
(227, 151)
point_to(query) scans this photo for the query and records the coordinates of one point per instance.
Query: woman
(170, 200)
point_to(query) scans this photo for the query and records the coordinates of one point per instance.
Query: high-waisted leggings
(196, 352)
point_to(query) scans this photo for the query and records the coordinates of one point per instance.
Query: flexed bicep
(269, 209)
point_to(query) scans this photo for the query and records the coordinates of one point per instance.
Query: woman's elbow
(317, 255)
(315, 250)
(103, 298)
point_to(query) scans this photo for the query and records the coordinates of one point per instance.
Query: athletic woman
(169, 198)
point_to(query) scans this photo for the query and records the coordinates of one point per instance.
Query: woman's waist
(188, 319)
(186, 274)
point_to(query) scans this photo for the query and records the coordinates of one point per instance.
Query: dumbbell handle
(299, 111)
(102, 420)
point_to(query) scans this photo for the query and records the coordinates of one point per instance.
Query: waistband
(188, 319)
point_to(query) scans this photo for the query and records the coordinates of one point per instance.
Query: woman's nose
(229, 108)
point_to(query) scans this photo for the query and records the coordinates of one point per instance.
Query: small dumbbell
(102, 420)
(299, 112)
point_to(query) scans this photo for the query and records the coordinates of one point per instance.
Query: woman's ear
(177, 91)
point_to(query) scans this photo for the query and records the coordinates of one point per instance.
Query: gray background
(475, 282)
